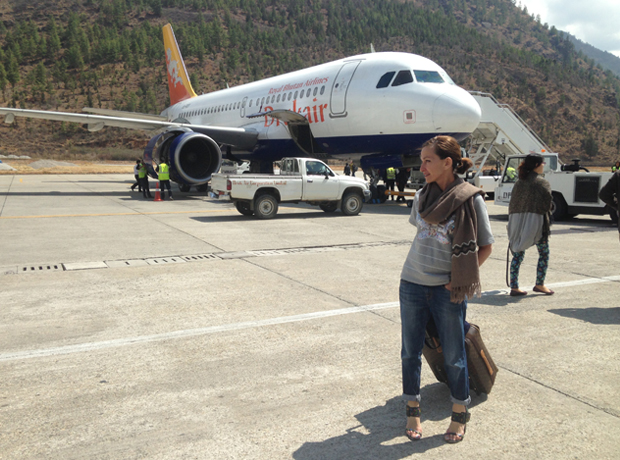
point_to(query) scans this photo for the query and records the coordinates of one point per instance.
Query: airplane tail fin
(178, 80)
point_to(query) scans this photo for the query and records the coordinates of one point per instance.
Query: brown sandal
(458, 417)
(414, 435)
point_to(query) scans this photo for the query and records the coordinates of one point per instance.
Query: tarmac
(135, 329)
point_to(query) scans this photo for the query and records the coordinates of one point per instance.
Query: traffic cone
(157, 196)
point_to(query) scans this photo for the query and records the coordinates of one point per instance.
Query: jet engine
(193, 157)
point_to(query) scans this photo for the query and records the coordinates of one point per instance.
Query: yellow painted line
(130, 214)
(114, 214)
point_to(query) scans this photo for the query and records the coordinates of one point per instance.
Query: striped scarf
(435, 207)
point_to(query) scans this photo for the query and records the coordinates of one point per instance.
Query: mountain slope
(109, 53)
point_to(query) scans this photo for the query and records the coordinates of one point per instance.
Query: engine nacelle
(193, 157)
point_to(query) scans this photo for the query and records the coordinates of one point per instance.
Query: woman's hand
(448, 286)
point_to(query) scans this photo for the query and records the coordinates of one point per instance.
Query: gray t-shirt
(429, 262)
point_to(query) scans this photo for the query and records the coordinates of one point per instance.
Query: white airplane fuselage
(348, 115)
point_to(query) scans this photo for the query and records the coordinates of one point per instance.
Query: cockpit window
(428, 76)
(403, 77)
(385, 80)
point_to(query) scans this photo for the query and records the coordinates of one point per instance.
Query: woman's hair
(531, 162)
(447, 146)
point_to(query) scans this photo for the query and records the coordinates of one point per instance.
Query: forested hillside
(65, 55)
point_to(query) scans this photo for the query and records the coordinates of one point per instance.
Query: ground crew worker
(143, 178)
(136, 168)
(511, 173)
(616, 167)
(401, 181)
(163, 171)
(390, 179)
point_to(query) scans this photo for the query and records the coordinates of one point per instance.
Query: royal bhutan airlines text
(314, 113)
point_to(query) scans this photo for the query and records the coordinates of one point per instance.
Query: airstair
(501, 132)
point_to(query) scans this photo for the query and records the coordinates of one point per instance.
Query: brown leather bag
(481, 368)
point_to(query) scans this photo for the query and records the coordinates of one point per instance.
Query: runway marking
(115, 214)
(115, 343)
(137, 213)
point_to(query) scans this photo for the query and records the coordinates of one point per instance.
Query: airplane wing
(237, 137)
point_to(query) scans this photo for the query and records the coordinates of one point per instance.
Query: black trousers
(146, 191)
(137, 184)
(165, 184)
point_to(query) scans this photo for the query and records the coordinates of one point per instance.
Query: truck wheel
(329, 207)
(203, 188)
(265, 206)
(244, 208)
(185, 188)
(559, 209)
(351, 204)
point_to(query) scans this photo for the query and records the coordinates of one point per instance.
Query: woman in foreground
(441, 271)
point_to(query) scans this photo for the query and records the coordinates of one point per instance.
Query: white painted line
(93, 346)
(69, 349)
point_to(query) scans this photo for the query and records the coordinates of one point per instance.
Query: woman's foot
(517, 292)
(456, 430)
(414, 427)
(543, 289)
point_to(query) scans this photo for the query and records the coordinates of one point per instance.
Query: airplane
(377, 108)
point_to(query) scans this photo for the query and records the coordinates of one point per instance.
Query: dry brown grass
(81, 167)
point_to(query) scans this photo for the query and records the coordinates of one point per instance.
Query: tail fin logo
(173, 69)
(179, 85)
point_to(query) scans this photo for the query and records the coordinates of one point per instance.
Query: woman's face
(434, 168)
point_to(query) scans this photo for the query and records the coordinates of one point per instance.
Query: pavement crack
(607, 410)
(6, 195)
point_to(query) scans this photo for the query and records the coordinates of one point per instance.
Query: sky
(596, 22)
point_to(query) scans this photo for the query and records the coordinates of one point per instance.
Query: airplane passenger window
(316, 90)
(385, 80)
(322, 89)
(301, 95)
(251, 100)
(403, 77)
(308, 93)
(290, 95)
(428, 76)
(296, 93)
(278, 98)
(273, 98)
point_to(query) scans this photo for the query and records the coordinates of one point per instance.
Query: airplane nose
(456, 111)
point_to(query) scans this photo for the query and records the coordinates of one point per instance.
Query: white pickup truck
(300, 180)
(575, 189)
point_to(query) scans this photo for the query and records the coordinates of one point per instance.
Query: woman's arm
(483, 253)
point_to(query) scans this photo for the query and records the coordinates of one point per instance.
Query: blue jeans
(417, 304)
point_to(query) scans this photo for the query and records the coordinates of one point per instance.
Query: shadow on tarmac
(381, 433)
(591, 315)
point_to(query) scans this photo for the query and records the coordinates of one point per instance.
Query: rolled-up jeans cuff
(460, 401)
(411, 397)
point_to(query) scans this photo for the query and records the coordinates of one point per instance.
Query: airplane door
(243, 103)
(338, 100)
